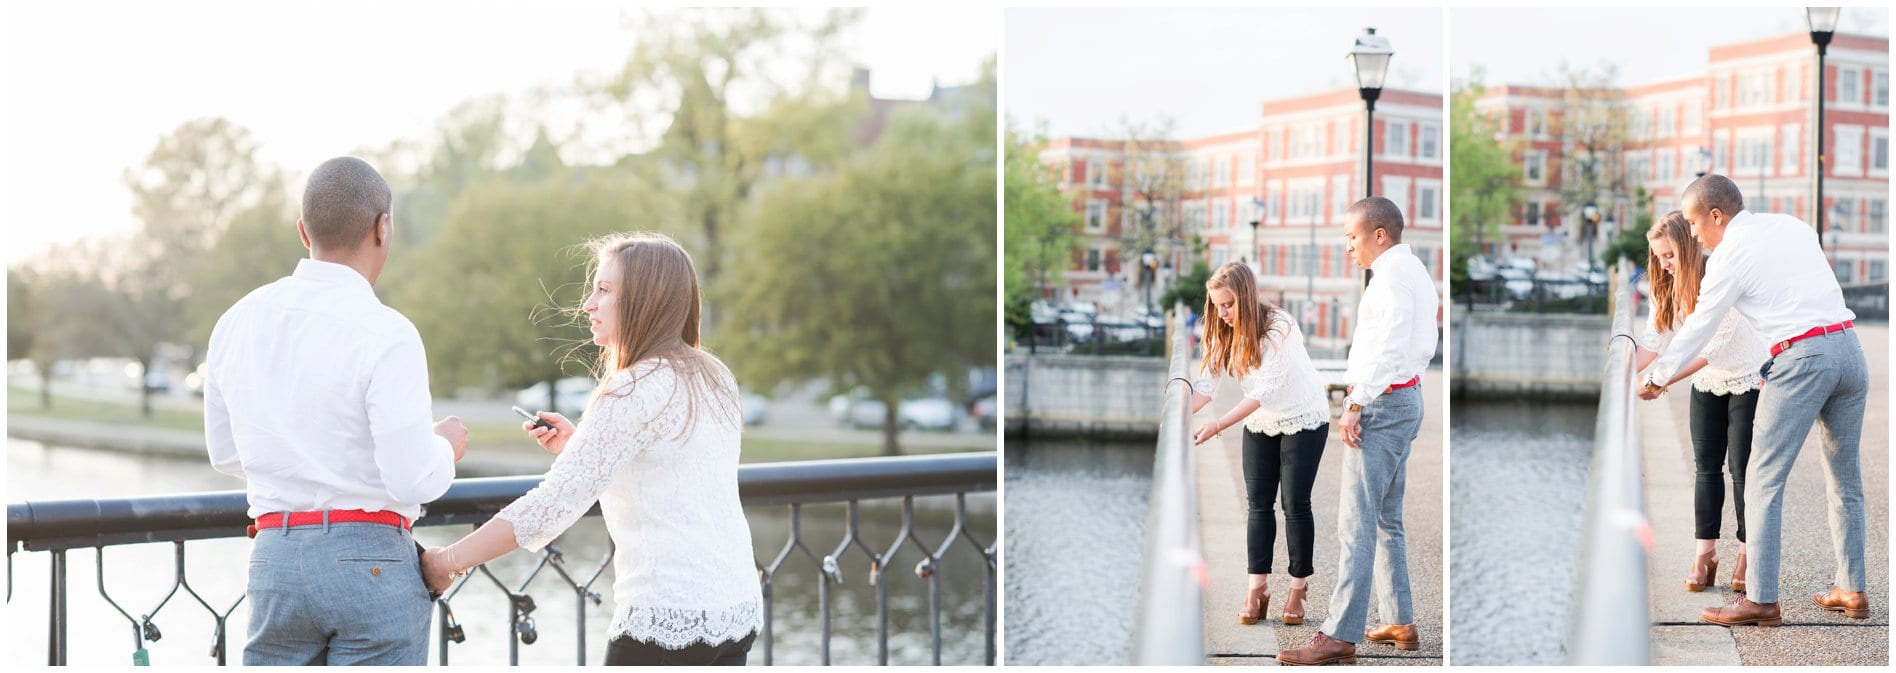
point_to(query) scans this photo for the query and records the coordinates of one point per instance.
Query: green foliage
(19, 306)
(877, 276)
(1190, 288)
(1040, 232)
(1631, 241)
(1487, 181)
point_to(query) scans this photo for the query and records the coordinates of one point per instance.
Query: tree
(494, 293)
(877, 276)
(1593, 128)
(1040, 231)
(1631, 242)
(259, 247)
(1155, 180)
(1487, 183)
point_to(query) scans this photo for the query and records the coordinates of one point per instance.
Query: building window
(1692, 119)
(1531, 215)
(1221, 172)
(1340, 197)
(1218, 256)
(1535, 167)
(1095, 216)
(1721, 160)
(1536, 122)
(1879, 151)
(1754, 153)
(1720, 97)
(1849, 85)
(1842, 214)
(1876, 271)
(1877, 219)
(1220, 214)
(1843, 267)
(1787, 149)
(1096, 173)
(1431, 141)
(1849, 151)
(1092, 259)
(1665, 165)
(1668, 121)
(1397, 144)
(1396, 189)
(1425, 202)
(1247, 170)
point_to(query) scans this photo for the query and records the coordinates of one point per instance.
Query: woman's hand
(437, 570)
(1206, 432)
(552, 440)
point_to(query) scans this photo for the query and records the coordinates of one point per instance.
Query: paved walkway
(1221, 511)
(1810, 635)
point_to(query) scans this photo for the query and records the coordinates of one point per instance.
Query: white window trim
(1852, 136)
(1390, 133)
(1858, 102)
(1422, 130)
(1435, 217)
(1790, 160)
(1396, 188)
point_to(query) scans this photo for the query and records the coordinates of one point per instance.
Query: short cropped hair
(1715, 191)
(1380, 213)
(342, 203)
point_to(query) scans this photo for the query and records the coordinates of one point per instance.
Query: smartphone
(533, 417)
(432, 594)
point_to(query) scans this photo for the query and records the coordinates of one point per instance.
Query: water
(1518, 494)
(1075, 532)
(138, 576)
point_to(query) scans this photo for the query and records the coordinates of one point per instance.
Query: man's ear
(384, 228)
(304, 234)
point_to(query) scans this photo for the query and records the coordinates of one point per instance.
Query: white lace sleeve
(1650, 338)
(1206, 382)
(1727, 329)
(634, 412)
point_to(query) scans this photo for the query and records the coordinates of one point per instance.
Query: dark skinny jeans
(1721, 441)
(1284, 468)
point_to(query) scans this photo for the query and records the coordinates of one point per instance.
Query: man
(1771, 269)
(317, 397)
(1393, 343)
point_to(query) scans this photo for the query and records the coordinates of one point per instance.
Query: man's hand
(1350, 426)
(1648, 391)
(450, 428)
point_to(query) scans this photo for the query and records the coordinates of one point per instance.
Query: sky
(1079, 71)
(90, 87)
(1647, 45)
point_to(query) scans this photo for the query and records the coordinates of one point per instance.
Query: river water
(139, 576)
(1517, 493)
(1076, 516)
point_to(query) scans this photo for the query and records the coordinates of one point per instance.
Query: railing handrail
(46, 525)
(1168, 625)
(1610, 624)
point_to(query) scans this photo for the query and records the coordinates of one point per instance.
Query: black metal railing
(59, 527)
(1533, 295)
(1094, 336)
(1868, 301)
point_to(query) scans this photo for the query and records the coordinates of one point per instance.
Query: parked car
(571, 398)
(756, 408)
(1518, 284)
(984, 410)
(925, 413)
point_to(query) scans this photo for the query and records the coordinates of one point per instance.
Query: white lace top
(1290, 396)
(684, 570)
(1732, 358)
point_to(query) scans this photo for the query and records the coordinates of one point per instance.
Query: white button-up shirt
(1395, 325)
(317, 396)
(1771, 269)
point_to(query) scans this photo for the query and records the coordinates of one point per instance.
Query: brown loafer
(1742, 613)
(1321, 651)
(1853, 604)
(1294, 606)
(1403, 636)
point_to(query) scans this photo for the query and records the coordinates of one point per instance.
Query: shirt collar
(1389, 256)
(331, 273)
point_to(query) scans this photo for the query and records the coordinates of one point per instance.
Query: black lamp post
(1823, 24)
(1370, 56)
(1151, 268)
(1257, 217)
(1591, 215)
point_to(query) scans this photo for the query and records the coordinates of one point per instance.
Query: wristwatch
(1354, 407)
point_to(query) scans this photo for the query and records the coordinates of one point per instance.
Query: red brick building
(1293, 173)
(1748, 117)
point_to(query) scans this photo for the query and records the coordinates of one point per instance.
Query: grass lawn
(26, 402)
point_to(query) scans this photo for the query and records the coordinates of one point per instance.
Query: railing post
(56, 633)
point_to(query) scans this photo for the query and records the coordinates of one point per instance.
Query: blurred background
(831, 171)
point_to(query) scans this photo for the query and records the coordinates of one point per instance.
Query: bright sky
(1648, 45)
(1080, 70)
(91, 86)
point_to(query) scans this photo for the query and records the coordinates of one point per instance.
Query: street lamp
(1257, 217)
(1705, 162)
(1591, 215)
(1823, 24)
(1370, 56)
(1151, 268)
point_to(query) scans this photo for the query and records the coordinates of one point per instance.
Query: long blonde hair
(659, 309)
(1674, 295)
(1238, 348)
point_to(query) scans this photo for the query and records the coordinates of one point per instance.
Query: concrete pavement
(1221, 511)
(1810, 635)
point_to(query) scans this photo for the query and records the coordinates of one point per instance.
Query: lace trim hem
(1727, 385)
(677, 629)
(1287, 425)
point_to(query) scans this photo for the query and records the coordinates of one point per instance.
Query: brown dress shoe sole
(1773, 621)
(1853, 613)
(1406, 645)
(1339, 659)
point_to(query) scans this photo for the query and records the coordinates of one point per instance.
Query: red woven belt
(1411, 383)
(278, 519)
(1814, 332)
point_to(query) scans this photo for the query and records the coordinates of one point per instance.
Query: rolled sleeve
(416, 465)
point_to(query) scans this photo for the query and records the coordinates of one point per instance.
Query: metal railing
(1610, 623)
(1168, 626)
(58, 527)
(1869, 301)
(1094, 337)
(1533, 295)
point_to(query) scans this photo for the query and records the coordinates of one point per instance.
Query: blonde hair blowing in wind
(659, 309)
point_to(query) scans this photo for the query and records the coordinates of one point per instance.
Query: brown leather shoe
(1743, 612)
(1853, 604)
(1738, 573)
(1294, 606)
(1256, 603)
(1704, 569)
(1403, 636)
(1322, 650)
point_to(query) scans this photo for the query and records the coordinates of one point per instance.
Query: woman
(1286, 420)
(1725, 385)
(657, 449)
